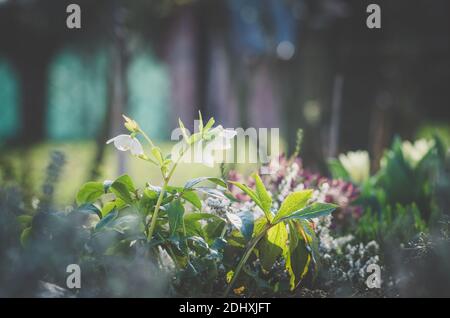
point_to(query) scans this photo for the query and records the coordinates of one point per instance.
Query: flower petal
(208, 159)
(136, 147)
(220, 143)
(229, 133)
(121, 142)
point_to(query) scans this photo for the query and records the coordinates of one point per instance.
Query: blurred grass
(29, 165)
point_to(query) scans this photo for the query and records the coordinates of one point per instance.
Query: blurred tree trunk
(117, 93)
(181, 54)
(33, 78)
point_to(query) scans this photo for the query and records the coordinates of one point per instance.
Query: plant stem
(161, 194)
(155, 212)
(152, 145)
(244, 259)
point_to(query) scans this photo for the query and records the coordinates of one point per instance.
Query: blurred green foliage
(406, 195)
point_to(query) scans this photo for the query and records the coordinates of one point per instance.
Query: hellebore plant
(218, 137)
(284, 232)
(153, 219)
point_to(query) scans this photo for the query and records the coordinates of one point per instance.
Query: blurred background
(288, 64)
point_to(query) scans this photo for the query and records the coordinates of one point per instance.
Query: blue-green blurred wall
(9, 100)
(77, 95)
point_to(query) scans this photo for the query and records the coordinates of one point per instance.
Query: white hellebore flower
(126, 142)
(220, 139)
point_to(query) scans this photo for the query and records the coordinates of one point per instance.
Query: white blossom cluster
(346, 262)
(285, 186)
(221, 206)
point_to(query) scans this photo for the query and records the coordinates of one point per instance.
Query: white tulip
(126, 142)
(414, 152)
(357, 164)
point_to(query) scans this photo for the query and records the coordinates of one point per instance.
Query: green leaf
(272, 245)
(263, 195)
(312, 211)
(194, 138)
(183, 131)
(189, 217)
(175, 212)
(107, 219)
(151, 194)
(90, 192)
(89, 209)
(107, 208)
(250, 192)
(200, 122)
(208, 125)
(156, 152)
(259, 226)
(212, 192)
(296, 256)
(192, 198)
(293, 202)
(127, 181)
(122, 187)
(191, 183)
(128, 224)
(213, 229)
(243, 221)
(25, 236)
(311, 239)
(199, 245)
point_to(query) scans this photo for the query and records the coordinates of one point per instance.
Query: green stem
(152, 145)
(224, 231)
(161, 196)
(155, 212)
(244, 259)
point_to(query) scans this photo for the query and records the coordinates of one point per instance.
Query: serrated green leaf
(311, 240)
(263, 195)
(193, 182)
(200, 122)
(272, 245)
(297, 257)
(183, 131)
(250, 192)
(312, 211)
(208, 125)
(293, 202)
